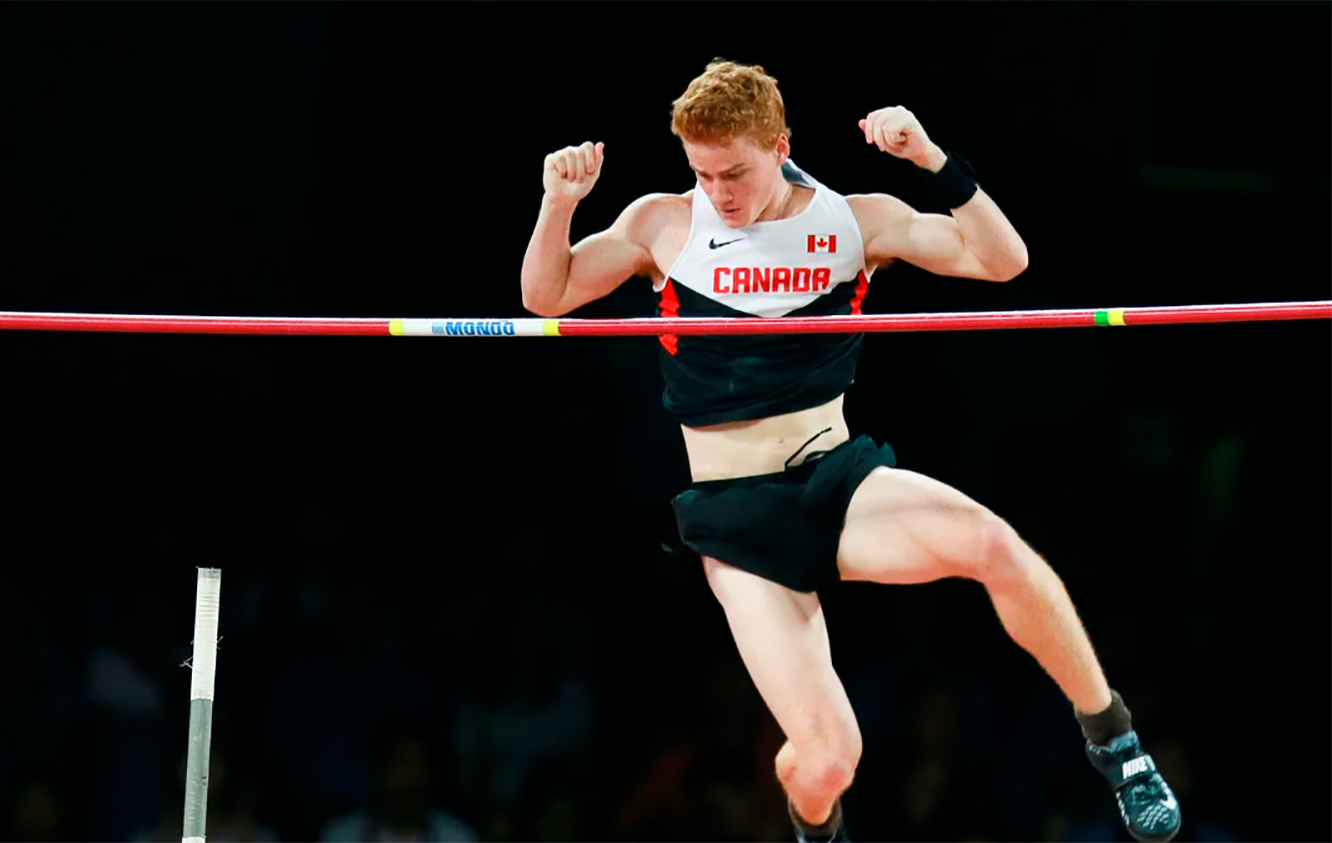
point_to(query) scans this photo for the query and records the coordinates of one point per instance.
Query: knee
(830, 773)
(1002, 558)
(826, 767)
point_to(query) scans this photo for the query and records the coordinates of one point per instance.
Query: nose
(721, 197)
(714, 190)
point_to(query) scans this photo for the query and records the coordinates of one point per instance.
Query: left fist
(897, 132)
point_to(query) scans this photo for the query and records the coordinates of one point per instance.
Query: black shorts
(785, 526)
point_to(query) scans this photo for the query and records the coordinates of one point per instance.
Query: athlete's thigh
(783, 641)
(903, 528)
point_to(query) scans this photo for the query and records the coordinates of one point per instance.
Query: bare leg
(783, 641)
(904, 528)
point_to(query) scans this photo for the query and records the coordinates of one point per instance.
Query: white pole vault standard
(203, 664)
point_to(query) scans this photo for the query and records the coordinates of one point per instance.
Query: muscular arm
(976, 241)
(557, 278)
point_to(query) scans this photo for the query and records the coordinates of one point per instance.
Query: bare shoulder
(878, 212)
(665, 206)
(654, 214)
(658, 225)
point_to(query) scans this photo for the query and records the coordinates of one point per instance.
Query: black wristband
(954, 185)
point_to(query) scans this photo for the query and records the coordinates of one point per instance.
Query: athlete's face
(741, 178)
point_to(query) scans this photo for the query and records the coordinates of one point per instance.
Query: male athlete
(784, 502)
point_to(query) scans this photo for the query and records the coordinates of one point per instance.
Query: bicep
(932, 242)
(601, 262)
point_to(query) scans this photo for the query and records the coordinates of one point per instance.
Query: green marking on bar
(1102, 318)
(196, 768)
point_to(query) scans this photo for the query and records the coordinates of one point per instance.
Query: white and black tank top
(812, 264)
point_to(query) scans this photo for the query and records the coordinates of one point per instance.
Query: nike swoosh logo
(713, 244)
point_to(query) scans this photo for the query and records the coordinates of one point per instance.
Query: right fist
(571, 172)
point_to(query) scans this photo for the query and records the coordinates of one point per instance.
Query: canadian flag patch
(822, 243)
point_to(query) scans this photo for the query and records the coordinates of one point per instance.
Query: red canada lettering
(800, 284)
(762, 279)
(739, 280)
(741, 276)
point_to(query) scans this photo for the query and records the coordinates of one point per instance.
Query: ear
(783, 149)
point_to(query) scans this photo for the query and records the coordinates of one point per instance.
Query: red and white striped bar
(655, 326)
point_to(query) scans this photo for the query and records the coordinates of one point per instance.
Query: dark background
(460, 543)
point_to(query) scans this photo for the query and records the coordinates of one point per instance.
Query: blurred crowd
(525, 696)
(357, 708)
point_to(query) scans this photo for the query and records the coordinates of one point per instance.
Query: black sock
(1101, 727)
(824, 831)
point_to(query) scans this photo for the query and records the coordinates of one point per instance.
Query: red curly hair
(730, 100)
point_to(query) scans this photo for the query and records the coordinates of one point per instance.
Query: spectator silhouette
(34, 813)
(404, 804)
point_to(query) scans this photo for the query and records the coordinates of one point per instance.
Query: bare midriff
(763, 446)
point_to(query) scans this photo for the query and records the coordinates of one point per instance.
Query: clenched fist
(571, 172)
(897, 132)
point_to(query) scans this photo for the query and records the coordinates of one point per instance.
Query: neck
(780, 200)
